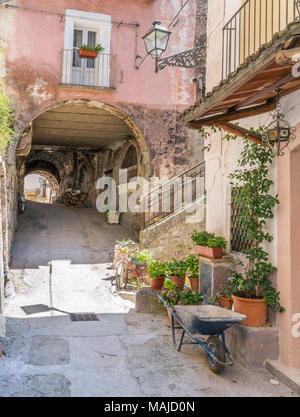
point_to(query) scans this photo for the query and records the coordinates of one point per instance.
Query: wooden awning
(251, 89)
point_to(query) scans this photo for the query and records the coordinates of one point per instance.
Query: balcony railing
(254, 24)
(99, 72)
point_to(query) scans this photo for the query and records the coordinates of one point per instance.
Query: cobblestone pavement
(123, 353)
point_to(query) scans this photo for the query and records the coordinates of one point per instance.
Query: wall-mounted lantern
(279, 132)
(156, 43)
(156, 40)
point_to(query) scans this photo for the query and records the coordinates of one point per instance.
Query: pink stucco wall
(288, 253)
(36, 42)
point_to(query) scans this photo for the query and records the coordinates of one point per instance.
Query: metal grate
(238, 240)
(83, 317)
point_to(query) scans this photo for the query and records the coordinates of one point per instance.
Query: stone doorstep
(288, 376)
(252, 346)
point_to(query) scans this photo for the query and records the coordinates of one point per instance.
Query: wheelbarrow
(205, 320)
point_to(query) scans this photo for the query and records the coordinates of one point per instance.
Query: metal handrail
(254, 24)
(157, 197)
(173, 179)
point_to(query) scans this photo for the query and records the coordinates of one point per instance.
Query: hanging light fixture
(156, 40)
(279, 133)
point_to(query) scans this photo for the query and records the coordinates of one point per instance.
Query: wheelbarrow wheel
(215, 345)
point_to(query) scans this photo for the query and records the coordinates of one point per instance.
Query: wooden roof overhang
(251, 89)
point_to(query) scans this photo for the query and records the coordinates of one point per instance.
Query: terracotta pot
(85, 53)
(179, 282)
(157, 283)
(214, 253)
(224, 301)
(170, 317)
(194, 283)
(255, 310)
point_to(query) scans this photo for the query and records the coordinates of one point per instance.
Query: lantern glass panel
(150, 42)
(156, 39)
(162, 40)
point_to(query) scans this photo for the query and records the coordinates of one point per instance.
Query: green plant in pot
(141, 257)
(251, 288)
(177, 272)
(209, 244)
(157, 274)
(192, 263)
(90, 52)
(224, 299)
(173, 296)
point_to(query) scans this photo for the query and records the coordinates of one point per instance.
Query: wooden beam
(288, 57)
(256, 96)
(240, 131)
(233, 115)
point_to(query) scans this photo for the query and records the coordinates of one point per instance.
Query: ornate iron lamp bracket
(187, 59)
(297, 4)
(279, 134)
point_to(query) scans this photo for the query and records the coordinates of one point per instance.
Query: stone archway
(50, 178)
(23, 144)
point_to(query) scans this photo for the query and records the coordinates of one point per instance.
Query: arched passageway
(41, 186)
(72, 145)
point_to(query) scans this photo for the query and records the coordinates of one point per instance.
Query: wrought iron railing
(92, 72)
(173, 195)
(251, 26)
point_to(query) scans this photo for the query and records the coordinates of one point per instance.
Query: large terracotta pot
(194, 283)
(255, 310)
(224, 301)
(179, 282)
(214, 253)
(157, 283)
(85, 53)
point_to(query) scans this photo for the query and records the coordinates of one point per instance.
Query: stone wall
(171, 238)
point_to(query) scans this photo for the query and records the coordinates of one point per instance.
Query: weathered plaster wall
(288, 253)
(222, 159)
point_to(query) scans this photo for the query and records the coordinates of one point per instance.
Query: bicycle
(122, 269)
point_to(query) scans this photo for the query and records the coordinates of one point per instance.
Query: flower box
(214, 253)
(86, 53)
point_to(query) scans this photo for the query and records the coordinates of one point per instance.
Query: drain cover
(83, 317)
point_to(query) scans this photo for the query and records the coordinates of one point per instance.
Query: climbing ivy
(207, 132)
(256, 204)
(6, 117)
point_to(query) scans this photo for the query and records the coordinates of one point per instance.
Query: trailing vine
(206, 133)
(6, 118)
(256, 205)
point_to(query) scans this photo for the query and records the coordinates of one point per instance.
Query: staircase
(171, 212)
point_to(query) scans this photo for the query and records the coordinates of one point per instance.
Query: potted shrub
(90, 52)
(209, 245)
(173, 296)
(193, 271)
(142, 257)
(177, 272)
(157, 274)
(251, 288)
